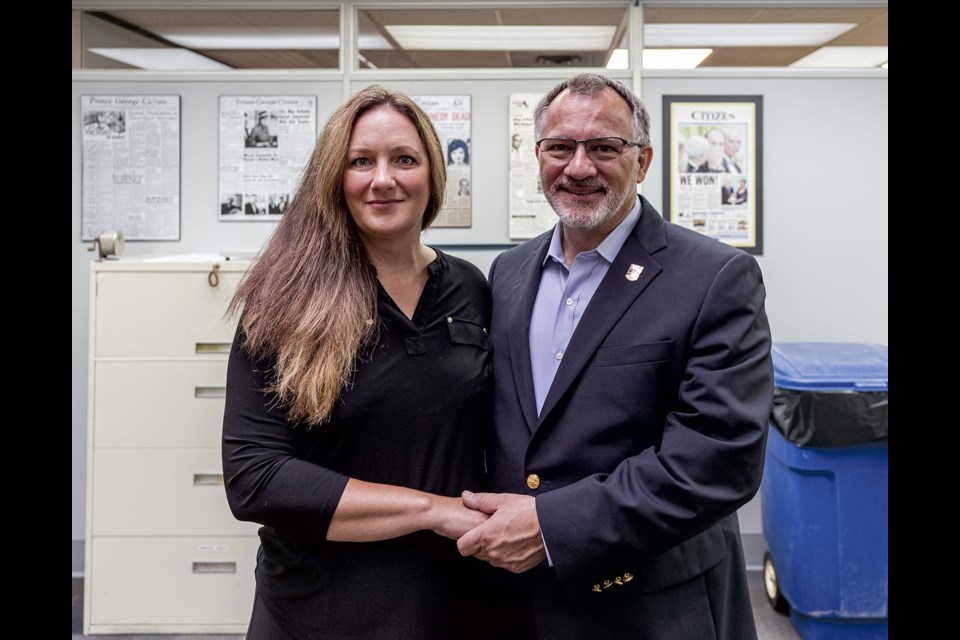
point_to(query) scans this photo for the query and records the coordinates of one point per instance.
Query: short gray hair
(590, 84)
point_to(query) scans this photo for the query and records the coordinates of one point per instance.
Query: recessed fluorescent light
(857, 57)
(437, 37)
(161, 59)
(618, 59)
(217, 39)
(264, 38)
(742, 35)
(674, 58)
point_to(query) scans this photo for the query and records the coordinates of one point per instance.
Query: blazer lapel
(618, 290)
(525, 293)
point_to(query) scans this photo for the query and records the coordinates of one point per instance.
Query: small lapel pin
(634, 272)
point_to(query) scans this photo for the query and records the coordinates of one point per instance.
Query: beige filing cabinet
(163, 552)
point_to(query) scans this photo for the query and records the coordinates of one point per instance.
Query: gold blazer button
(533, 481)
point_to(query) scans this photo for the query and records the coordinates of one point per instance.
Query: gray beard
(587, 217)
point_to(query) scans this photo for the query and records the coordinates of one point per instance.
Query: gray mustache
(591, 183)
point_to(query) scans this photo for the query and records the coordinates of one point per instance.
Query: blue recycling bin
(823, 495)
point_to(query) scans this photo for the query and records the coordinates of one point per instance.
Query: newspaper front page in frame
(265, 143)
(451, 117)
(712, 168)
(530, 213)
(131, 166)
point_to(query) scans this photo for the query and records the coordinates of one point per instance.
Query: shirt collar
(610, 246)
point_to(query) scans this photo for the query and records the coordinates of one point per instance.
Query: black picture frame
(719, 196)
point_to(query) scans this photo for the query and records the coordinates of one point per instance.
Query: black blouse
(416, 415)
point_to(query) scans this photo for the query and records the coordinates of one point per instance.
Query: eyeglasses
(598, 149)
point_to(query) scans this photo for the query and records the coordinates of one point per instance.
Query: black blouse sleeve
(265, 480)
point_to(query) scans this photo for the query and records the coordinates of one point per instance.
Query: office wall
(824, 199)
(824, 256)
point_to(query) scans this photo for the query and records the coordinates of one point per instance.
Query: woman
(358, 395)
(457, 153)
(741, 195)
(712, 160)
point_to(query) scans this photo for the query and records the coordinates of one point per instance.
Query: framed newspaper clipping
(265, 143)
(131, 166)
(451, 117)
(713, 179)
(530, 213)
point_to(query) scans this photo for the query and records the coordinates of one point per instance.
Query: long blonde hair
(309, 301)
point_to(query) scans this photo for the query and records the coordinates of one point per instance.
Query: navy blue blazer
(650, 438)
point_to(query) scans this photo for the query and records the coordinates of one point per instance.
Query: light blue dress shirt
(563, 296)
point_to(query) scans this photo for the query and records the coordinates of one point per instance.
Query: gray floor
(770, 624)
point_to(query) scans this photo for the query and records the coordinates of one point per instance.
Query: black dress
(416, 415)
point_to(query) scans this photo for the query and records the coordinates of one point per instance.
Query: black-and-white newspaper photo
(131, 166)
(265, 142)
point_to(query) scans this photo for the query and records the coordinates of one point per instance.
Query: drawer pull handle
(213, 278)
(213, 347)
(214, 567)
(208, 479)
(209, 392)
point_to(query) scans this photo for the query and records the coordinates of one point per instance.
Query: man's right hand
(511, 538)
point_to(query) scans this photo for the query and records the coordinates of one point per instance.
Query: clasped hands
(508, 536)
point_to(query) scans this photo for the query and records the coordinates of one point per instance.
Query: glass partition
(490, 36)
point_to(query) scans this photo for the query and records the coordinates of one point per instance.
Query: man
(273, 206)
(715, 160)
(715, 138)
(252, 207)
(697, 149)
(516, 144)
(633, 384)
(260, 136)
(727, 192)
(731, 147)
(231, 206)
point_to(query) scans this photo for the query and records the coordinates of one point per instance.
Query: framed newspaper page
(530, 213)
(131, 166)
(451, 117)
(265, 144)
(713, 179)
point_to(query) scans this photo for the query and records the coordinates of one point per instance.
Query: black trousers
(263, 626)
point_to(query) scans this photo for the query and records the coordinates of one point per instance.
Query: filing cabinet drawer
(171, 585)
(159, 403)
(163, 314)
(161, 492)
